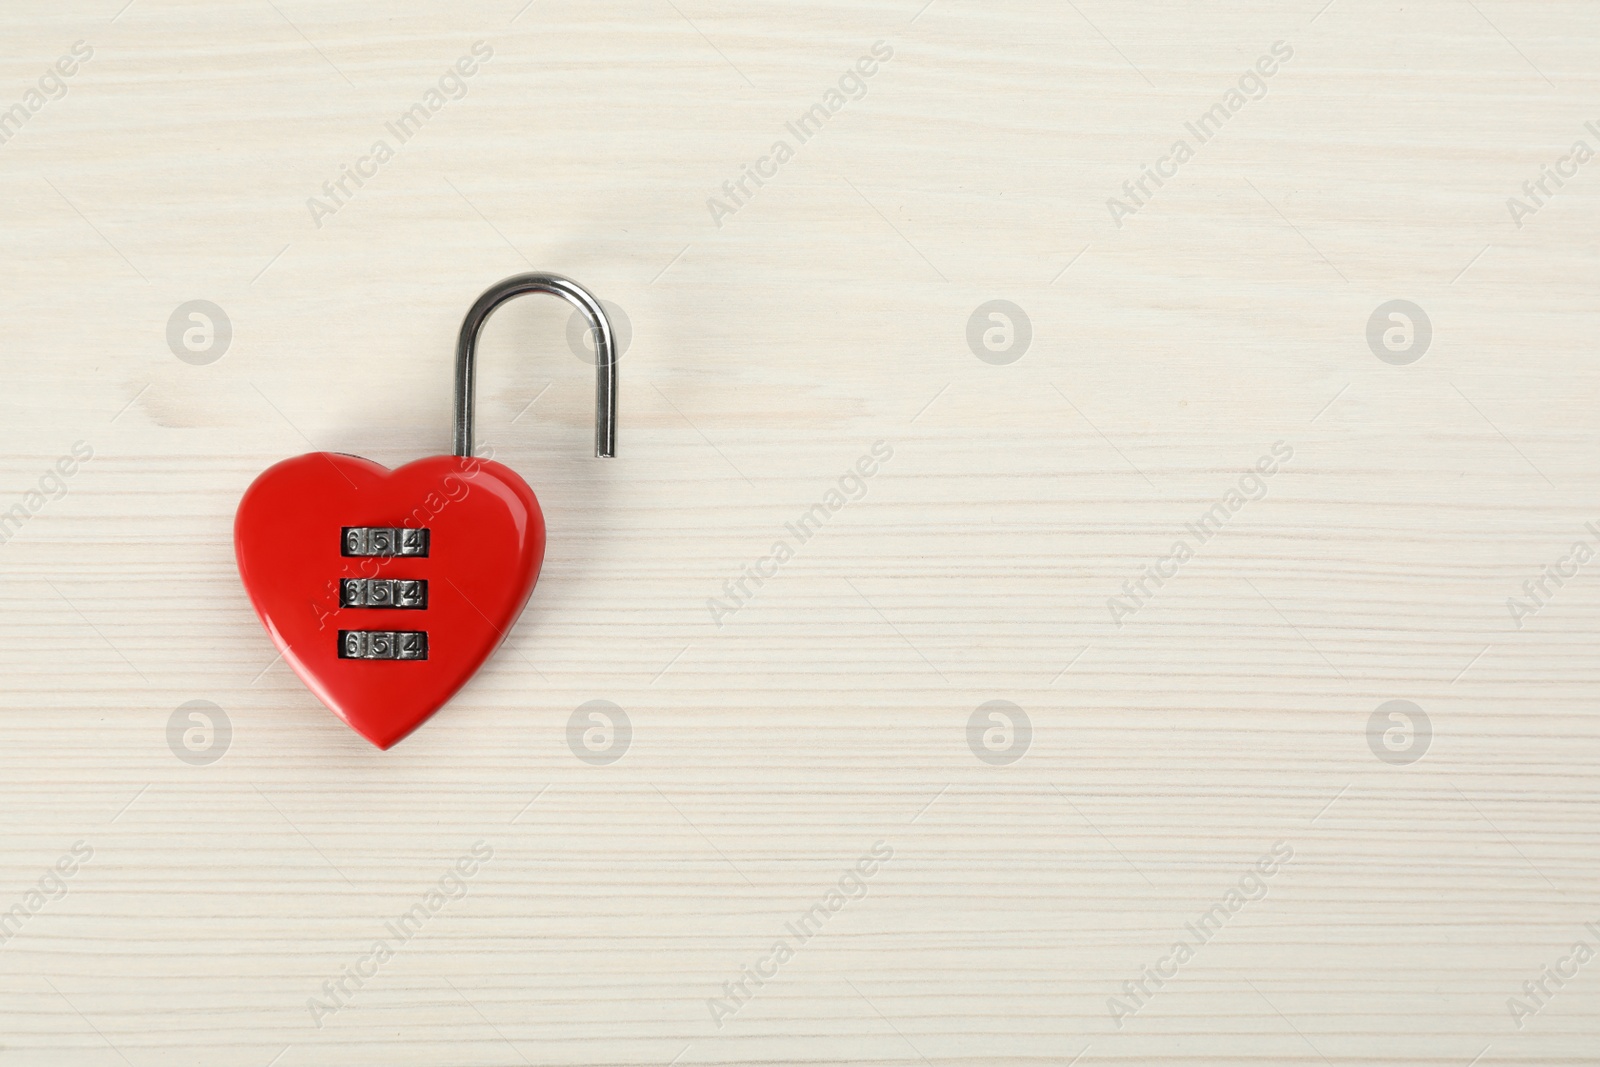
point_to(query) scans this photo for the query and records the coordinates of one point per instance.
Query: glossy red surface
(486, 537)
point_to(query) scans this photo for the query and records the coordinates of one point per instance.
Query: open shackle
(605, 361)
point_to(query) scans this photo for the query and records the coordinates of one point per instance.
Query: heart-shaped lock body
(386, 590)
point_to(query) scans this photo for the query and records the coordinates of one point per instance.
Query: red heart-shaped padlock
(386, 590)
(303, 537)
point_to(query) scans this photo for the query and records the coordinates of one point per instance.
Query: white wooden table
(234, 871)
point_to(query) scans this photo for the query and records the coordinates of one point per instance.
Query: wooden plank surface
(1209, 760)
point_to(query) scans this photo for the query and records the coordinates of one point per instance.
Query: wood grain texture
(829, 312)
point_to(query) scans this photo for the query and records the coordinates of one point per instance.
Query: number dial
(406, 594)
(383, 644)
(384, 541)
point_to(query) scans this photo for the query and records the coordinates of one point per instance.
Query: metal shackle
(605, 362)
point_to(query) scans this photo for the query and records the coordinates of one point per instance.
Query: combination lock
(386, 590)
